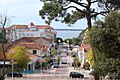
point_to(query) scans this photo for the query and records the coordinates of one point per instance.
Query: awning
(38, 60)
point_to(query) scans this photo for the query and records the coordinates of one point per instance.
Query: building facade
(16, 32)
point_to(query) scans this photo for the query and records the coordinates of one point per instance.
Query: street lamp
(68, 46)
(12, 67)
(59, 44)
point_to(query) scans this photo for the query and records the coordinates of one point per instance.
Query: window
(23, 34)
(27, 34)
(31, 34)
(34, 51)
(19, 34)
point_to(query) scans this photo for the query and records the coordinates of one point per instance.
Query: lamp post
(59, 44)
(68, 46)
(12, 67)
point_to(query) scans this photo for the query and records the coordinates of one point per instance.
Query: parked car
(15, 74)
(76, 75)
(56, 65)
(64, 60)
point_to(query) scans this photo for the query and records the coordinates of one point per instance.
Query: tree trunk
(96, 76)
(89, 21)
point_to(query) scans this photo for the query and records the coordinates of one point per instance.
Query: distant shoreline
(68, 34)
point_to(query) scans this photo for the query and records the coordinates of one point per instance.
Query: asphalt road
(61, 73)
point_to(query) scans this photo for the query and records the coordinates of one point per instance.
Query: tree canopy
(105, 41)
(59, 40)
(109, 4)
(69, 11)
(20, 56)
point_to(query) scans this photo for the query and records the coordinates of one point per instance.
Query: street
(61, 73)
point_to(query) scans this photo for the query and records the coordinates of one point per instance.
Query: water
(68, 34)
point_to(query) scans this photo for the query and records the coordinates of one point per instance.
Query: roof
(1, 53)
(11, 52)
(26, 43)
(2, 57)
(85, 47)
(18, 26)
(32, 46)
(51, 32)
(28, 39)
(43, 27)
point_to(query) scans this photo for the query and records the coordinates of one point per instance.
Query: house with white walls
(16, 31)
(83, 53)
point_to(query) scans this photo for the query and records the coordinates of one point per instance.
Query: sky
(26, 11)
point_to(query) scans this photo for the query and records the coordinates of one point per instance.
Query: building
(16, 32)
(37, 39)
(83, 53)
(35, 45)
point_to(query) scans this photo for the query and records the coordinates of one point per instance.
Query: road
(61, 73)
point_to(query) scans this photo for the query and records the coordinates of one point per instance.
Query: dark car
(15, 74)
(56, 65)
(76, 75)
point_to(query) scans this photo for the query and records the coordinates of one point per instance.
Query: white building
(83, 53)
(16, 32)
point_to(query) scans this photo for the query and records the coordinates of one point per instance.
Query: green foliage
(46, 58)
(76, 40)
(81, 35)
(86, 66)
(1, 35)
(87, 38)
(69, 41)
(105, 42)
(73, 55)
(65, 11)
(20, 56)
(77, 62)
(110, 4)
(1, 38)
(91, 57)
(53, 51)
(113, 20)
(59, 40)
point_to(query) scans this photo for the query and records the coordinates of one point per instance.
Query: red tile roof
(51, 32)
(47, 39)
(28, 39)
(26, 43)
(31, 46)
(85, 47)
(19, 26)
(31, 24)
(43, 27)
(2, 57)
